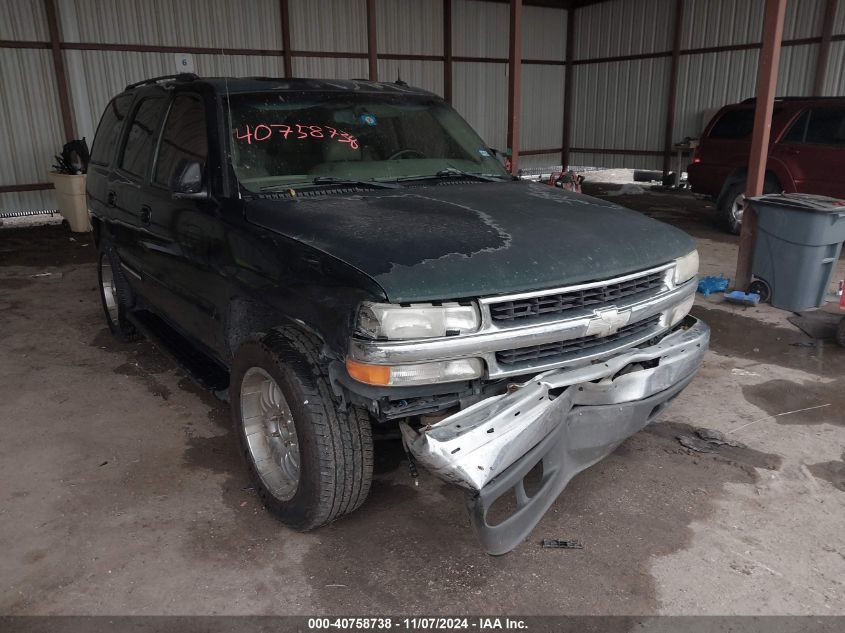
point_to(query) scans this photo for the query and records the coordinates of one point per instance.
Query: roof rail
(155, 80)
(754, 99)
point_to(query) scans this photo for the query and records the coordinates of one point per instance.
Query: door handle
(146, 214)
(111, 198)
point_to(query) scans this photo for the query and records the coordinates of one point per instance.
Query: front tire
(309, 461)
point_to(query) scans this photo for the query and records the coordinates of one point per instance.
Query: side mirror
(187, 181)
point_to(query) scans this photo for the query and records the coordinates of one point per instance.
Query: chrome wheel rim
(737, 208)
(270, 433)
(108, 289)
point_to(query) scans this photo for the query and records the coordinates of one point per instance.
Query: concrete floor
(120, 492)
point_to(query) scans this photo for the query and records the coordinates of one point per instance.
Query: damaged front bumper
(568, 419)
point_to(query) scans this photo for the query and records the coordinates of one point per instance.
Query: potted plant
(68, 177)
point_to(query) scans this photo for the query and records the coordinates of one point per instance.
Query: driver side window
(184, 138)
(796, 132)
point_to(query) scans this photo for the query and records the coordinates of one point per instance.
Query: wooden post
(447, 50)
(824, 47)
(767, 80)
(372, 44)
(59, 68)
(514, 88)
(568, 88)
(673, 87)
(284, 10)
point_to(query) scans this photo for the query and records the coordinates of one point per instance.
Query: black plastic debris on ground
(707, 440)
(554, 543)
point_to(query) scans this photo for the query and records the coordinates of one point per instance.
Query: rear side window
(826, 126)
(184, 138)
(141, 139)
(738, 124)
(108, 132)
(734, 124)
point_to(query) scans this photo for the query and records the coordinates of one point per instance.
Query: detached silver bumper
(568, 419)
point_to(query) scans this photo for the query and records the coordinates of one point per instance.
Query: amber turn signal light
(369, 374)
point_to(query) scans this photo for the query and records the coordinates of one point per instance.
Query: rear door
(725, 145)
(101, 197)
(128, 189)
(813, 150)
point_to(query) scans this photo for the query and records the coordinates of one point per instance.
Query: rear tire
(115, 294)
(309, 461)
(731, 201)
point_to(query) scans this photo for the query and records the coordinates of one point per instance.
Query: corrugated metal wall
(212, 23)
(541, 105)
(410, 27)
(835, 79)
(327, 25)
(23, 20)
(618, 105)
(29, 124)
(621, 104)
(707, 81)
(480, 91)
(632, 96)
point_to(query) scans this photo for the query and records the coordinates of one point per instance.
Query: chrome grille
(549, 351)
(585, 298)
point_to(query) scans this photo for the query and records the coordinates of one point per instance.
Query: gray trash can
(799, 238)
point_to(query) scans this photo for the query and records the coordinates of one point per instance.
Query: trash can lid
(803, 202)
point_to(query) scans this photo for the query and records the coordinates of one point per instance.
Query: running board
(202, 369)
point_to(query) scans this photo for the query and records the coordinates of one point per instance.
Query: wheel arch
(96, 230)
(247, 316)
(740, 175)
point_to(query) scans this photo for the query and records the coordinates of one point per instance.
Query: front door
(187, 245)
(813, 150)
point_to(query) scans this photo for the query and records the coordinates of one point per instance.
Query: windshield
(286, 139)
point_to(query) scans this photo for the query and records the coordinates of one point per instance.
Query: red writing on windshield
(265, 131)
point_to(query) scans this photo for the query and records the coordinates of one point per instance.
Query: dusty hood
(455, 241)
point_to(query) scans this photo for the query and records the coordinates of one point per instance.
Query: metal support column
(447, 50)
(514, 88)
(372, 44)
(824, 47)
(673, 87)
(767, 80)
(285, 13)
(568, 87)
(59, 68)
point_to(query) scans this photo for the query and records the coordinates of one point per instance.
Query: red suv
(806, 153)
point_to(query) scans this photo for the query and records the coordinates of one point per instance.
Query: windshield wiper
(453, 172)
(329, 180)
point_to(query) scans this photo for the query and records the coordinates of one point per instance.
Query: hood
(455, 241)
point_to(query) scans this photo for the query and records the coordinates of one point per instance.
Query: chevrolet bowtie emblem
(607, 321)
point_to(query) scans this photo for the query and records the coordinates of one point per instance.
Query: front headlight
(686, 267)
(419, 320)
